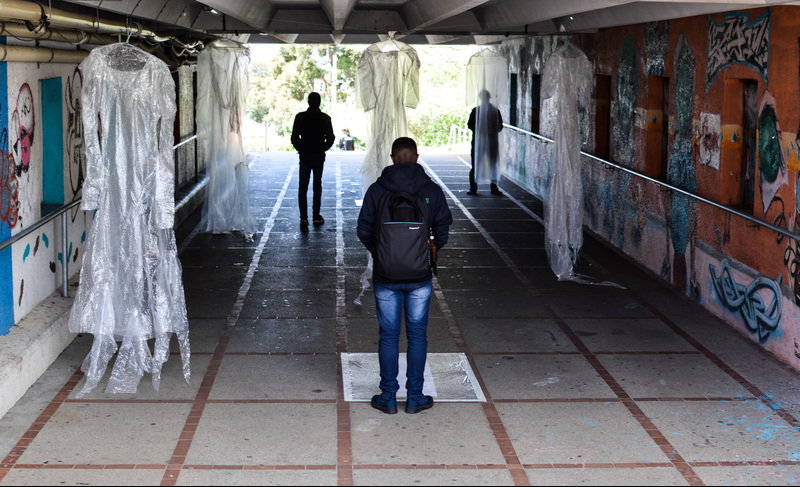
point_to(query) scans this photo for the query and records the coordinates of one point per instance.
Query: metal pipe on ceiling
(20, 31)
(42, 16)
(40, 55)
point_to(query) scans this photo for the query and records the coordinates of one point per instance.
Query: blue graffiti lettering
(759, 317)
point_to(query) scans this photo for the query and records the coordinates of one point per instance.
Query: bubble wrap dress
(130, 286)
(567, 78)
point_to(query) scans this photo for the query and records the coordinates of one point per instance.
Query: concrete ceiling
(414, 21)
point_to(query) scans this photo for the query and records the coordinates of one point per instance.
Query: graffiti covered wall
(733, 137)
(34, 93)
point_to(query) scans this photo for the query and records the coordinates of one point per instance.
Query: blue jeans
(390, 300)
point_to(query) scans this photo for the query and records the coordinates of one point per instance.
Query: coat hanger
(570, 49)
(389, 44)
(226, 44)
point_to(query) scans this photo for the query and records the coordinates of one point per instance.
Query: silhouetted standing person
(485, 122)
(312, 135)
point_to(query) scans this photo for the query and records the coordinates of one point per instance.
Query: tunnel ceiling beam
(257, 14)
(419, 14)
(425, 21)
(338, 11)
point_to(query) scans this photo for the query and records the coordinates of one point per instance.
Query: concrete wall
(746, 274)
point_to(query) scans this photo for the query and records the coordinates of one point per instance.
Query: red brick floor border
(489, 408)
(11, 459)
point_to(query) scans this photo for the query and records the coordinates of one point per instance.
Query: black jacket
(494, 124)
(408, 177)
(312, 134)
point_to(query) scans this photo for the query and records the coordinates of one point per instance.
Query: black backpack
(402, 233)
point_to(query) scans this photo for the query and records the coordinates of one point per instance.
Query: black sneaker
(472, 192)
(304, 224)
(318, 220)
(496, 190)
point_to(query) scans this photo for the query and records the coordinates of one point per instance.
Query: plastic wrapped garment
(567, 78)
(387, 81)
(222, 86)
(487, 76)
(130, 286)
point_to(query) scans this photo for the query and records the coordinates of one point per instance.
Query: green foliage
(279, 86)
(443, 85)
(433, 130)
(281, 80)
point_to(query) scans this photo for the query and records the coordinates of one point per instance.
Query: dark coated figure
(312, 136)
(485, 122)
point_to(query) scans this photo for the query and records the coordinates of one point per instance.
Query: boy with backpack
(403, 220)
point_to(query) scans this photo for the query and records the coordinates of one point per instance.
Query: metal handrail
(733, 211)
(39, 224)
(63, 210)
(184, 142)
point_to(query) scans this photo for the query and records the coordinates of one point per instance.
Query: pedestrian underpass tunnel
(672, 357)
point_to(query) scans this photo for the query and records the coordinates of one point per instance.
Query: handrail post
(64, 257)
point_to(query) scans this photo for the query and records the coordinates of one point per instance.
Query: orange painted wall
(645, 221)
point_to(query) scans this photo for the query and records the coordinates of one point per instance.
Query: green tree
(280, 86)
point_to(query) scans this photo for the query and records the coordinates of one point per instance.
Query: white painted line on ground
(251, 270)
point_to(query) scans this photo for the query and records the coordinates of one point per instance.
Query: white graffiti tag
(737, 41)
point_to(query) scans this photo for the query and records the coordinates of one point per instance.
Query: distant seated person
(346, 141)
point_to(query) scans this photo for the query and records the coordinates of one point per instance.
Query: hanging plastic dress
(387, 81)
(222, 86)
(567, 78)
(130, 286)
(487, 78)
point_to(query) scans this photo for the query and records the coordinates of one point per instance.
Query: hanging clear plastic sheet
(222, 86)
(567, 79)
(130, 287)
(487, 74)
(387, 81)
(365, 280)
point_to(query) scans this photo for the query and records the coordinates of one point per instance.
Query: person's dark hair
(404, 143)
(314, 100)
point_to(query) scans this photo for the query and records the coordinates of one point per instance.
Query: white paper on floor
(448, 377)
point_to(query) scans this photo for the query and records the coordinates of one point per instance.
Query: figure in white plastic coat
(130, 286)
(567, 78)
(387, 81)
(222, 86)
(487, 75)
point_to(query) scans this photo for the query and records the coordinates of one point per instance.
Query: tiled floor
(584, 384)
